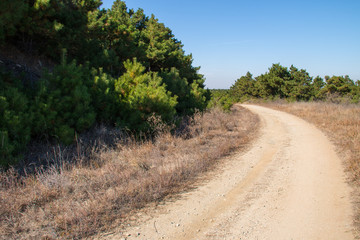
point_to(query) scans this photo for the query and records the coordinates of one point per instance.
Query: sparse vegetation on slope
(80, 200)
(341, 122)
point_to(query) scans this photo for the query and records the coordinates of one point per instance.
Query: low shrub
(63, 103)
(15, 120)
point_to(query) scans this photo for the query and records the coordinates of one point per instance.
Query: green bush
(178, 87)
(15, 121)
(63, 104)
(11, 13)
(103, 96)
(189, 96)
(141, 95)
(294, 85)
(221, 98)
(71, 97)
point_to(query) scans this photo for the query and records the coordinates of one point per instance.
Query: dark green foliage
(104, 99)
(222, 99)
(47, 26)
(178, 87)
(338, 84)
(355, 92)
(272, 83)
(15, 119)
(339, 89)
(298, 87)
(63, 105)
(189, 96)
(199, 97)
(317, 85)
(142, 95)
(105, 39)
(103, 83)
(11, 13)
(244, 88)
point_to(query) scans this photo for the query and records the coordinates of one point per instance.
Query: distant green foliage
(244, 88)
(355, 92)
(317, 85)
(294, 85)
(338, 84)
(222, 99)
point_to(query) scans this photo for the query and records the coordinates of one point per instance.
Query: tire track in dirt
(203, 221)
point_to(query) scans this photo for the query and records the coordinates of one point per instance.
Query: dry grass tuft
(79, 201)
(341, 122)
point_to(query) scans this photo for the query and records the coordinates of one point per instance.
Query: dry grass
(341, 122)
(72, 202)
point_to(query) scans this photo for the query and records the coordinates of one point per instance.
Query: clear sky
(230, 37)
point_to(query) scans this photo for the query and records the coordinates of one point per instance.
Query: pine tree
(11, 13)
(141, 95)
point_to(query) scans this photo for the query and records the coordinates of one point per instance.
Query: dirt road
(289, 185)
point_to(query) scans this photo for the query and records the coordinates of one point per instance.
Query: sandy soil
(289, 185)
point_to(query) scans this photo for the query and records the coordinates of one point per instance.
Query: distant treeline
(116, 66)
(291, 84)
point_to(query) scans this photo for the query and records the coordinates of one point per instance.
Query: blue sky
(230, 37)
